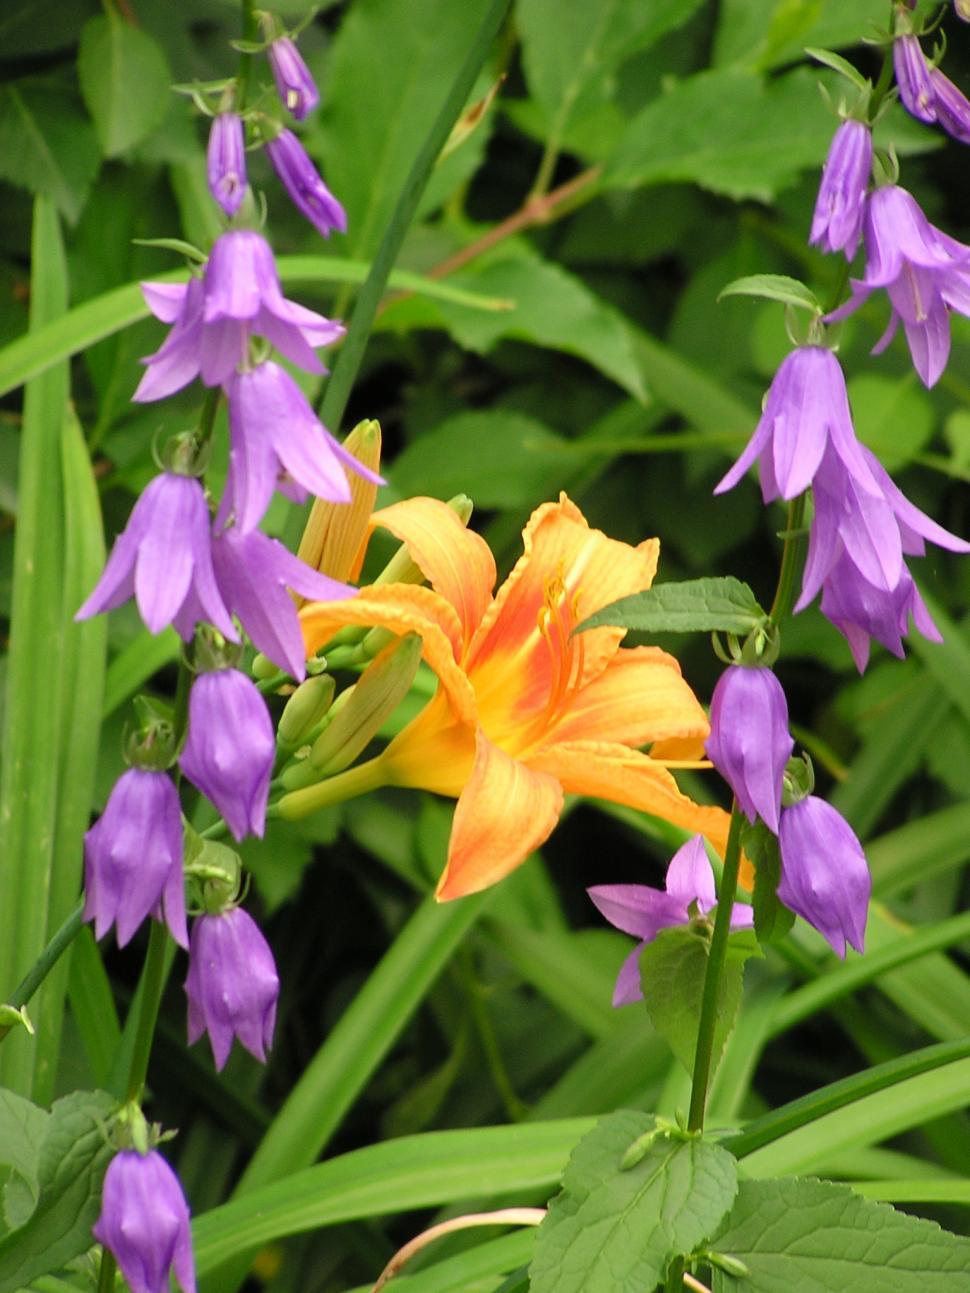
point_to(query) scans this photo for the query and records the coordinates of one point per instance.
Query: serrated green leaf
(613, 1230)
(767, 33)
(124, 80)
(808, 1236)
(672, 971)
(724, 605)
(775, 287)
(46, 146)
(22, 1126)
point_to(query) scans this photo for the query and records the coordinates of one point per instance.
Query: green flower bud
(304, 710)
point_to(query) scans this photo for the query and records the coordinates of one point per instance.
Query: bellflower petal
(913, 78)
(952, 107)
(303, 183)
(824, 875)
(232, 984)
(837, 221)
(749, 742)
(226, 161)
(294, 84)
(144, 1222)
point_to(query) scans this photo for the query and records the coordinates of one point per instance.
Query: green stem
(884, 82)
(703, 1056)
(106, 1271)
(790, 561)
(153, 981)
(250, 31)
(48, 958)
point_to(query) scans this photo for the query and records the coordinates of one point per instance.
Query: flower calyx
(798, 781)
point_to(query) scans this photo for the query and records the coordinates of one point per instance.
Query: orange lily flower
(525, 711)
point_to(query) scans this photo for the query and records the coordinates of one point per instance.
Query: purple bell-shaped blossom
(230, 748)
(951, 105)
(837, 222)
(923, 270)
(133, 858)
(232, 984)
(749, 742)
(254, 573)
(644, 912)
(277, 441)
(164, 558)
(824, 875)
(913, 78)
(213, 318)
(144, 1222)
(806, 409)
(303, 183)
(226, 161)
(294, 84)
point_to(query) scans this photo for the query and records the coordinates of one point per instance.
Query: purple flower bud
(302, 181)
(952, 107)
(913, 78)
(644, 912)
(837, 222)
(294, 84)
(163, 557)
(749, 742)
(144, 1222)
(230, 748)
(232, 984)
(824, 876)
(807, 408)
(227, 161)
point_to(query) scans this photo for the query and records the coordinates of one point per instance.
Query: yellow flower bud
(335, 537)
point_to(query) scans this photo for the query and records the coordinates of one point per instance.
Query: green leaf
(818, 1237)
(892, 415)
(772, 919)
(613, 1230)
(723, 605)
(124, 79)
(842, 65)
(22, 1126)
(46, 146)
(775, 287)
(672, 970)
(772, 32)
(73, 1157)
(727, 131)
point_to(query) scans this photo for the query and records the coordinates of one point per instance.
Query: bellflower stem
(153, 982)
(48, 958)
(250, 31)
(704, 1054)
(106, 1271)
(790, 561)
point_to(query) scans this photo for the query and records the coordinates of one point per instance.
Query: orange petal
(640, 696)
(436, 751)
(505, 811)
(609, 771)
(457, 563)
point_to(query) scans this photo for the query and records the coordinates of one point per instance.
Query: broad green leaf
(727, 131)
(73, 1157)
(22, 1127)
(723, 605)
(124, 79)
(460, 1274)
(772, 919)
(46, 146)
(818, 1237)
(613, 1229)
(769, 32)
(775, 287)
(672, 971)
(892, 415)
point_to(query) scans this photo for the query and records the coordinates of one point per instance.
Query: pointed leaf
(124, 79)
(46, 146)
(774, 287)
(724, 605)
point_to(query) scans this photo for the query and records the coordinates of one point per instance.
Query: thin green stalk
(106, 1271)
(790, 561)
(250, 32)
(704, 1054)
(48, 958)
(153, 982)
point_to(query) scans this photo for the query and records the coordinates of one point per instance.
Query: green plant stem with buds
(250, 33)
(791, 559)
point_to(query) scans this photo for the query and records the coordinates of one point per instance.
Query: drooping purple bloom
(226, 161)
(644, 912)
(294, 84)
(232, 984)
(163, 557)
(230, 748)
(861, 611)
(749, 742)
(277, 441)
(837, 222)
(144, 1222)
(303, 183)
(913, 78)
(824, 875)
(923, 270)
(238, 296)
(133, 858)
(807, 408)
(951, 105)
(254, 573)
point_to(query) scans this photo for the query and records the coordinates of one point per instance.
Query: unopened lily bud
(304, 710)
(335, 537)
(382, 687)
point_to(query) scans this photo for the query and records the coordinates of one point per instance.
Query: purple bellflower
(837, 222)
(923, 270)
(913, 78)
(144, 1222)
(133, 858)
(213, 318)
(230, 748)
(806, 408)
(952, 107)
(644, 912)
(303, 183)
(226, 161)
(277, 441)
(164, 558)
(294, 84)
(254, 573)
(232, 984)
(749, 742)
(824, 876)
